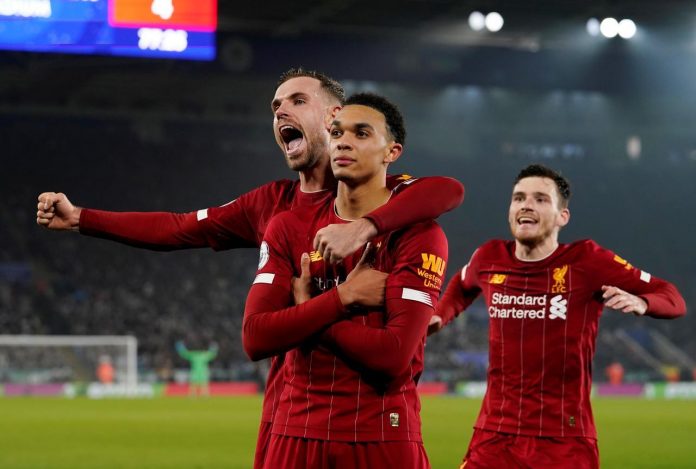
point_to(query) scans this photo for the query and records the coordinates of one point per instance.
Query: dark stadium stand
(64, 283)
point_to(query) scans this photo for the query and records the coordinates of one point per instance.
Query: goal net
(35, 360)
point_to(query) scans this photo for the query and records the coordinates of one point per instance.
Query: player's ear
(395, 150)
(564, 217)
(331, 115)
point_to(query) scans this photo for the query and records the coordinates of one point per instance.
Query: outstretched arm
(182, 350)
(664, 302)
(628, 289)
(152, 230)
(160, 231)
(211, 353)
(56, 212)
(413, 201)
(461, 291)
(237, 224)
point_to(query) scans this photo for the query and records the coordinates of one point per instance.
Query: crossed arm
(271, 326)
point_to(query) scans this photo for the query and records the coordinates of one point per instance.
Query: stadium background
(137, 134)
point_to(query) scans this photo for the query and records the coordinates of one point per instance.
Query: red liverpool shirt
(243, 222)
(348, 376)
(543, 328)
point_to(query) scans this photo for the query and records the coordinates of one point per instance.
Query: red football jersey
(240, 223)
(237, 224)
(243, 222)
(543, 327)
(348, 376)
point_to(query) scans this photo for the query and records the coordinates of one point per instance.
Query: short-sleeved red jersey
(348, 376)
(543, 328)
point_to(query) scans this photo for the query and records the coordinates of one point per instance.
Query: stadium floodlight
(609, 27)
(477, 21)
(494, 21)
(593, 27)
(627, 28)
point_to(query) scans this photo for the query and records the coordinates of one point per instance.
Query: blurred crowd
(66, 283)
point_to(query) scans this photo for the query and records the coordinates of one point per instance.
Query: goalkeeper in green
(199, 376)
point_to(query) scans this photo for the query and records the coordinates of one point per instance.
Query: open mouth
(292, 138)
(526, 221)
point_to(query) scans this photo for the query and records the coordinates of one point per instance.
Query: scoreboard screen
(175, 29)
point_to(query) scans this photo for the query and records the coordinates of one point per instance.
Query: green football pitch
(221, 432)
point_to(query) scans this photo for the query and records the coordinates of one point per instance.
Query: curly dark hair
(332, 87)
(390, 111)
(538, 170)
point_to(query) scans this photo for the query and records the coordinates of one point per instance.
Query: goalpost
(45, 358)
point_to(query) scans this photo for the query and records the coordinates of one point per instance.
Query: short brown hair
(332, 87)
(538, 170)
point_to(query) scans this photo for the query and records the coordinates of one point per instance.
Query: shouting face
(301, 113)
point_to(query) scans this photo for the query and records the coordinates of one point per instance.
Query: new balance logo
(497, 279)
(559, 308)
(627, 265)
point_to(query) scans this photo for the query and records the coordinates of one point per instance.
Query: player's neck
(356, 201)
(536, 252)
(318, 178)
